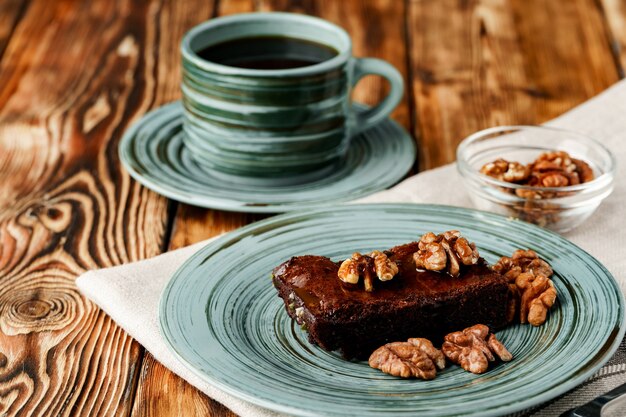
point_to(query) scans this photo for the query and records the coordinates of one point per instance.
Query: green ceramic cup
(294, 122)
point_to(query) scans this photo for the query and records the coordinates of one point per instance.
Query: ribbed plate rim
(590, 367)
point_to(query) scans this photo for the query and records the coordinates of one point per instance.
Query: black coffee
(268, 52)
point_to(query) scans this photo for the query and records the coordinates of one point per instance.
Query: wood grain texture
(194, 224)
(483, 63)
(11, 12)
(74, 75)
(160, 392)
(615, 15)
(227, 7)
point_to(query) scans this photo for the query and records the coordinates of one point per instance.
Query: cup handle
(370, 117)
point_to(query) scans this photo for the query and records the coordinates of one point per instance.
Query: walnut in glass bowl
(547, 176)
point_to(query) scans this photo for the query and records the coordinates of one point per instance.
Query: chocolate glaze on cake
(414, 303)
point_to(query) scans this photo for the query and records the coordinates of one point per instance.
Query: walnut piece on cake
(366, 266)
(445, 252)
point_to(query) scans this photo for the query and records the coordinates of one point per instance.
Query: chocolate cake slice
(415, 303)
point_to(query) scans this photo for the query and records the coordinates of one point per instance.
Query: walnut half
(537, 297)
(416, 358)
(474, 348)
(550, 169)
(503, 170)
(366, 266)
(445, 252)
(522, 261)
(531, 292)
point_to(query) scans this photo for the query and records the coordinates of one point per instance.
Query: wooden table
(75, 74)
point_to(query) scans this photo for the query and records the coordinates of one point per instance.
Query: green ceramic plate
(153, 153)
(222, 317)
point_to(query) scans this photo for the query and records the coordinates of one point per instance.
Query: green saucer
(153, 153)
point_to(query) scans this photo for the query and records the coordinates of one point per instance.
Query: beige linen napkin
(130, 293)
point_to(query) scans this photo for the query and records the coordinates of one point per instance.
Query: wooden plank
(10, 13)
(226, 7)
(160, 392)
(615, 14)
(194, 224)
(363, 21)
(74, 76)
(484, 63)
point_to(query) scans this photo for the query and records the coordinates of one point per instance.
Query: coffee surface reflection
(268, 53)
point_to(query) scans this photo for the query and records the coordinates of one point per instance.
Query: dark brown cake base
(414, 303)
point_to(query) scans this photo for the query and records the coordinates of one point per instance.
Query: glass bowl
(557, 208)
